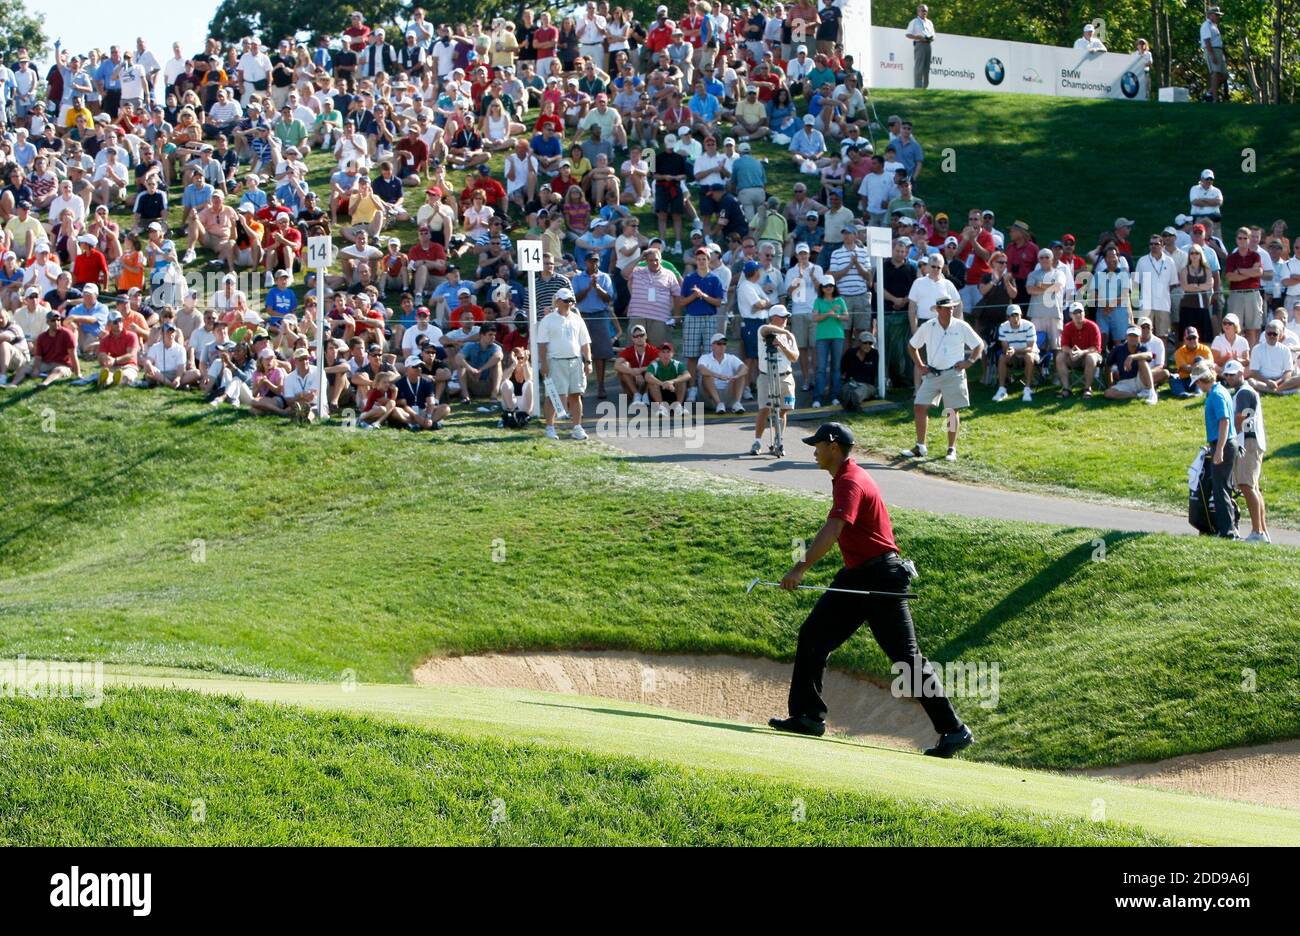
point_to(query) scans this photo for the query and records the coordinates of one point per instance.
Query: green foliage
(20, 29)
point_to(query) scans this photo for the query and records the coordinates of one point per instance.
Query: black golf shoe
(951, 743)
(799, 724)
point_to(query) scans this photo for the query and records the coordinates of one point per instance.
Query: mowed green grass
(164, 767)
(1104, 450)
(244, 545)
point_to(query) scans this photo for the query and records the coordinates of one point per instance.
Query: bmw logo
(1129, 84)
(995, 71)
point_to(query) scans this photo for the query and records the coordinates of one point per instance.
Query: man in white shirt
(1047, 285)
(926, 291)
(1212, 47)
(165, 363)
(254, 69)
(591, 36)
(1206, 200)
(722, 376)
(921, 32)
(1154, 344)
(877, 190)
(1272, 365)
(951, 347)
(803, 283)
(423, 328)
(564, 360)
(302, 385)
(1088, 43)
(1156, 276)
(779, 384)
(1019, 341)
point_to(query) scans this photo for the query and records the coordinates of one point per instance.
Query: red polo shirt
(1085, 337)
(1238, 261)
(867, 532)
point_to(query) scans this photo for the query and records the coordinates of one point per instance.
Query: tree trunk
(1277, 52)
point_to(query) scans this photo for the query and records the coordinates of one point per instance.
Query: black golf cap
(831, 432)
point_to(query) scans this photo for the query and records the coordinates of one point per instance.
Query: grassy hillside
(221, 541)
(1075, 165)
(158, 767)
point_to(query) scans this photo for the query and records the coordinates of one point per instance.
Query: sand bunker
(752, 690)
(734, 688)
(1265, 773)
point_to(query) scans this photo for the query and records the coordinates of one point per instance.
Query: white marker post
(320, 253)
(880, 244)
(530, 261)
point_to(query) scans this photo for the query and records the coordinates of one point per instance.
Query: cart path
(721, 446)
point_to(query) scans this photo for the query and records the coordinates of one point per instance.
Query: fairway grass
(431, 765)
(220, 541)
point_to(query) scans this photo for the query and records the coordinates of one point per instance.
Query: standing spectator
(1157, 278)
(830, 317)
(780, 384)
(594, 291)
(1046, 287)
(564, 358)
(1212, 46)
(1112, 286)
(1206, 201)
(1244, 271)
(951, 347)
(654, 290)
(921, 32)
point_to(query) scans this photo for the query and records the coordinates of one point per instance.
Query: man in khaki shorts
(564, 359)
(950, 347)
(1248, 417)
(782, 382)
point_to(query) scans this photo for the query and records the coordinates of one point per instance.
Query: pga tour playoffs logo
(995, 71)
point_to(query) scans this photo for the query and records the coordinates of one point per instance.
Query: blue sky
(83, 24)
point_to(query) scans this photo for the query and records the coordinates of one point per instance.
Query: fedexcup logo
(1129, 85)
(995, 71)
(76, 889)
(1030, 76)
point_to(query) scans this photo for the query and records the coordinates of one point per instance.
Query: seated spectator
(166, 362)
(1187, 357)
(1019, 341)
(479, 365)
(1080, 350)
(722, 376)
(1230, 345)
(860, 372)
(118, 353)
(1272, 365)
(417, 402)
(1129, 370)
(54, 356)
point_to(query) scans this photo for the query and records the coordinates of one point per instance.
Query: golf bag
(1200, 500)
(774, 400)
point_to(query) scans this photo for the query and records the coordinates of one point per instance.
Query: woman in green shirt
(829, 314)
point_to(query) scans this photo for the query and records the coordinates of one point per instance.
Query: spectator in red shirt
(118, 351)
(90, 265)
(412, 156)
(659, 37)
(494, 193)
(358, 33)
(283, 244)
(55, 355)
(1080, 350)
(974, 248)
(1022, 254)
(1243, 271)
(427, 259)
(466, 313)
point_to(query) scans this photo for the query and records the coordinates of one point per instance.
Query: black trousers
(1221, 479)
(837, 616)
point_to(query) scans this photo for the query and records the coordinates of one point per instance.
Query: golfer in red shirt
(859, 522)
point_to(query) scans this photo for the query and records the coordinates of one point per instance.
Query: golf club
(847, 591)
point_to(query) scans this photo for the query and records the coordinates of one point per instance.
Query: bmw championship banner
(965, 63)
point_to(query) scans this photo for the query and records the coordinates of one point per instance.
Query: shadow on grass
(1032, 590)
(728, 726)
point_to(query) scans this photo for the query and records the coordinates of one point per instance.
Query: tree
(21, 30)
